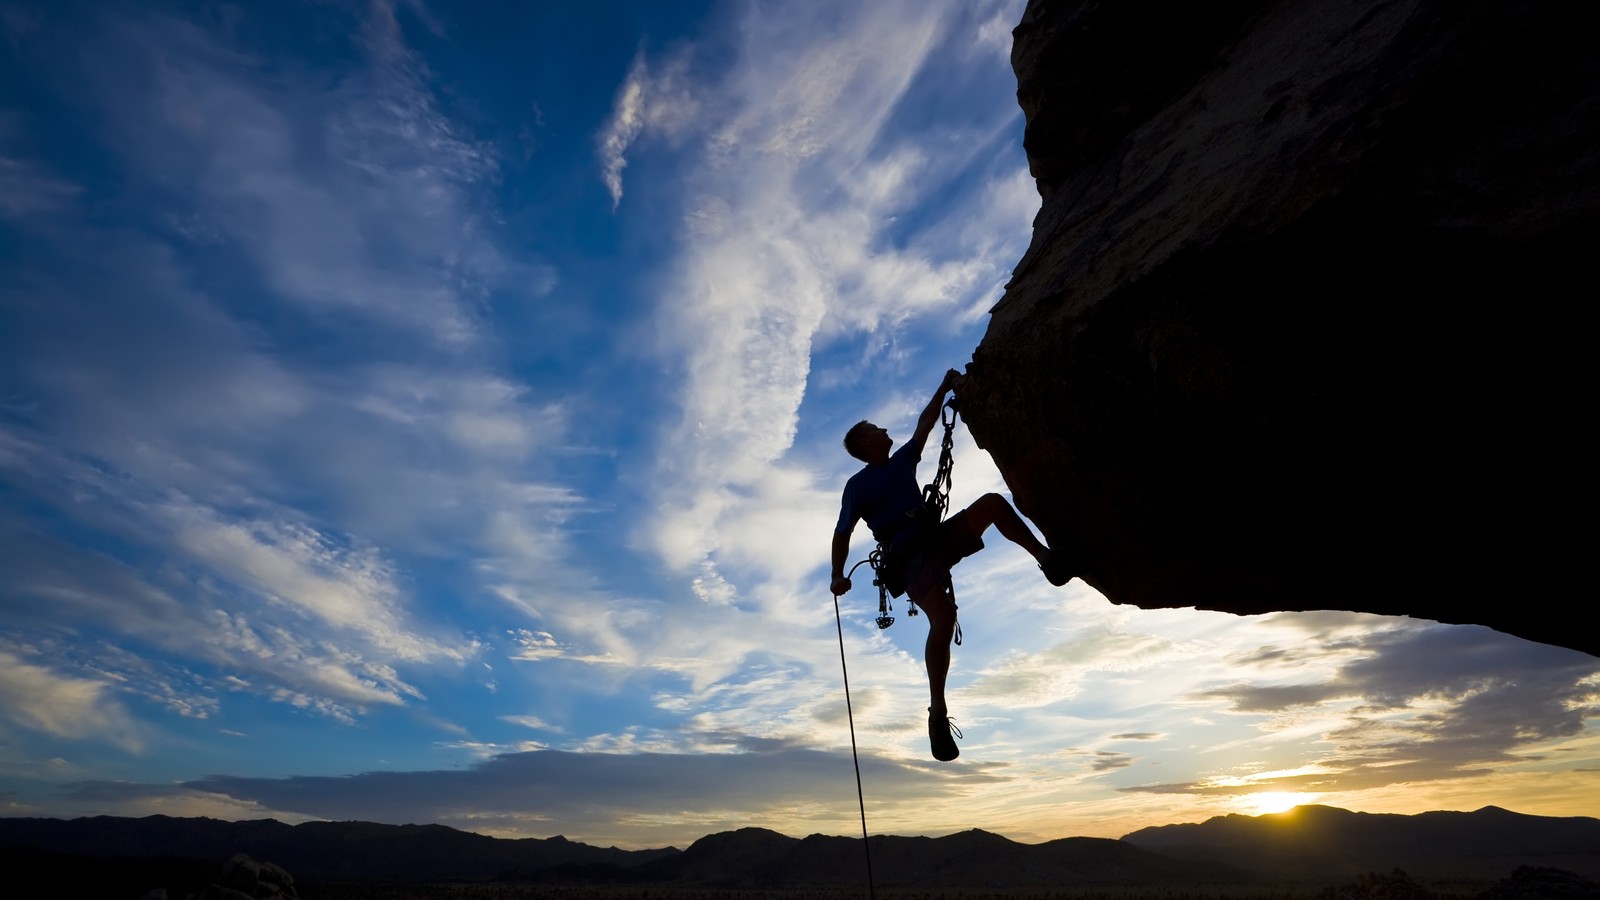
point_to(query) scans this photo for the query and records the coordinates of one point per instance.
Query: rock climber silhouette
(918, 549)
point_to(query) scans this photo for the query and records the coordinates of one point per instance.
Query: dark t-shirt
(884, 494)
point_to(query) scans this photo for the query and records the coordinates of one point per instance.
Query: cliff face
(1302, 323)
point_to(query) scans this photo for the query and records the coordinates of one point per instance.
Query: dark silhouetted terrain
(1309, 844)
(1324, 840)
(758, 858)
(327, 850)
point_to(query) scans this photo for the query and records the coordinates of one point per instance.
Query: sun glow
(1274, 801)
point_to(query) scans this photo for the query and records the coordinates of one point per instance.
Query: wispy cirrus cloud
(240, 498)
(356, 201)
(266, 633)
(657, 97)
(627, 121)
(533, 722)
(1021, 680)
(797, 198)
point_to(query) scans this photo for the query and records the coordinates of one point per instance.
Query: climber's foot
(940, 730)
(1058, 567)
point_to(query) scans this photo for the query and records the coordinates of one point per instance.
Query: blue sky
(428, 413)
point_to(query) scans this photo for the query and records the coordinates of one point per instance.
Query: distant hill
(758, 858)
(1324, 841)
(317, 850)
(1311, 843)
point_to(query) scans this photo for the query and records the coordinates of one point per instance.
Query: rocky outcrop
(1301, 326)
(246, 879)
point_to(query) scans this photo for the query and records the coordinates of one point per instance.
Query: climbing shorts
(953, 541)
(930, 551)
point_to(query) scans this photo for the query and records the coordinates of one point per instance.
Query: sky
(417, 412)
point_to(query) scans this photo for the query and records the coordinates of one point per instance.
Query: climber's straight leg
(940, 608)
(938, 602)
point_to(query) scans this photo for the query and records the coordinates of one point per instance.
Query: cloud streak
(39, 698)
(240, 501)
(794, 191)
(1422, 704)
(379, 224)
(627, 121)
(638, 798)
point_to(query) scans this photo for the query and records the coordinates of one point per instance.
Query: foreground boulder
(1302, 323)
(243, 877)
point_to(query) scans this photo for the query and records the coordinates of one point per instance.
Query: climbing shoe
(1057, 566)
(940, 731)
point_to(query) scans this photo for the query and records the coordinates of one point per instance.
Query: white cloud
(485, 416)
(255, 506)
(293, 564)
(308, 620)
(530, 721)
(359, 201)
(42, 699)
(483, 750)
(660, 103)
(627, 120)
(994, 32)
(138, 800)
(800, 181)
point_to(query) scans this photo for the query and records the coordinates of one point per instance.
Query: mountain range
(1327, 841)
(1310, 842)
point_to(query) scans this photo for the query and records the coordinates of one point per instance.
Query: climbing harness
(935, 502)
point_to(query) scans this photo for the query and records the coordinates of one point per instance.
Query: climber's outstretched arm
(930, 413)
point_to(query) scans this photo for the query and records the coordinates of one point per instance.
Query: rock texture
(1301, 326)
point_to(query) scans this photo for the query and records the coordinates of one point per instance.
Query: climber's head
(867, 442)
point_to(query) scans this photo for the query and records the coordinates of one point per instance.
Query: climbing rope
(854, 756)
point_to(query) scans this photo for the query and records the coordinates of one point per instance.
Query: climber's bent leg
(992, 509)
